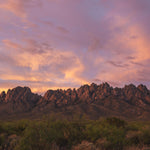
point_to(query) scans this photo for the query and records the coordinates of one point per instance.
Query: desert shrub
(21, 125)
(65, 133)
(145, 137)
(94, 131)
(42, 135)
(109, 133)
(134, 126)
(32, 139)
(55, 133)
(116, 122)
(135, 140)
(16, 127)
(2, 139)
(138, 134)
(74, 132)
(111, 130)
(9, 128)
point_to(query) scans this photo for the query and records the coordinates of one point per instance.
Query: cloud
(39, 62)
(94, 45)
(19, 7)
(37, 87)
(28, 45)
(6, 59)
(117, 64)
(62, 29)
(10, 44)
(68, 43)
(32, 46)
(49, 23)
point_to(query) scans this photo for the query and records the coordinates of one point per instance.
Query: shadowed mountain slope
(92, 100)
(18, 100)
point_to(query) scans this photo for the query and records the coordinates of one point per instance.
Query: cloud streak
(19, 7)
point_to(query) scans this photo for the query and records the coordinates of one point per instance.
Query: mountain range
(93, 101)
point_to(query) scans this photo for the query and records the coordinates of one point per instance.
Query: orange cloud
(58, 61)
(130, 41)
(19, 7)
(11, 44)
(14, 6)
(55, 59)
(75, 72)
(140, 44)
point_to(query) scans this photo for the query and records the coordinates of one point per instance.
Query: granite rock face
(93, 100)
(93, 93)
(19, 99)
(2, 96)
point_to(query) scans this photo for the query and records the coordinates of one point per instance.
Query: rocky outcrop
(60, 97)
(19, 99)
(97, 100)
(94, 100)
(22, 94)
(2, 96)
(93, 93)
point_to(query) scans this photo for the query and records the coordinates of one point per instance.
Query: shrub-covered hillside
(78, 134)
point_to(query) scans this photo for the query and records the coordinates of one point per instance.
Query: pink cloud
(11, 44)
(62, 29)
(15, 7)
(19, 7)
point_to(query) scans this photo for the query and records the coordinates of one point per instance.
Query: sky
(50, 44)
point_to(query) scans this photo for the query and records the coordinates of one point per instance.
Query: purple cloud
(66, 43)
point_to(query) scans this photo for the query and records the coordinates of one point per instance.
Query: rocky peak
(93, 87)
(131, 87)
(129, 91)
(83, 90)
(104, 89)
(48, 94)
(142, 88)
(19, 99)
(18, 93)
(69, 91)
(21, 95)
(84, 87)
(2, 96)
(117, 91)
(105, 85)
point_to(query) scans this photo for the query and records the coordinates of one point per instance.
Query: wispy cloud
(19, 7)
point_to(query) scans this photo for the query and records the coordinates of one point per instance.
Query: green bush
(115, 138)
(116, 122)
(146, 137)
(109, 133)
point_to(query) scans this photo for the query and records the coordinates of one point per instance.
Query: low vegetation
(77, 134)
